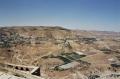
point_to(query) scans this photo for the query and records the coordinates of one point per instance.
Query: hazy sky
(76, 14)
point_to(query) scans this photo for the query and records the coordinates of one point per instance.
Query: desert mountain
(44, 46)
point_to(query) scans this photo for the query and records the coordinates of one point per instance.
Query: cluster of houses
(15, 38)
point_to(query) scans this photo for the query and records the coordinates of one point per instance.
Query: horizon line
(57, 26)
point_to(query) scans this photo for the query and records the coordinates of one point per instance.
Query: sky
(101, 15)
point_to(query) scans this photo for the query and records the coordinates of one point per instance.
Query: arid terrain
(62, 53)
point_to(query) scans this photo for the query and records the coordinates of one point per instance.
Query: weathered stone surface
(8, 76)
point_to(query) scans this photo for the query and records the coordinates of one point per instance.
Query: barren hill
(31, 41)
(44, 45)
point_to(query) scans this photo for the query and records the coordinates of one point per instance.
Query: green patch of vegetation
(73, 56)
(64, 59)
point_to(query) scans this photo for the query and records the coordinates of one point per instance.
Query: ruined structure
(26, 69)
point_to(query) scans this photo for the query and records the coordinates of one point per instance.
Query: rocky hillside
(31, 41)
(47, 46)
